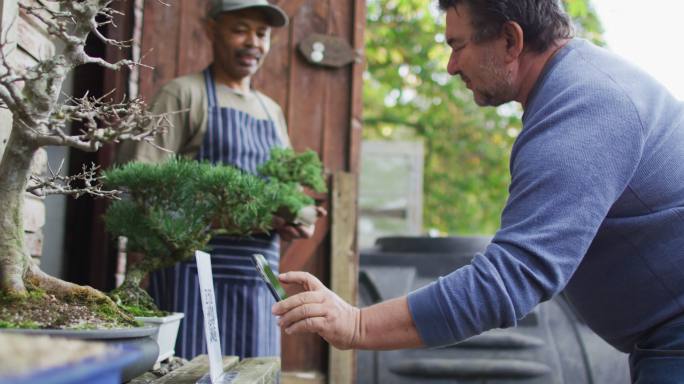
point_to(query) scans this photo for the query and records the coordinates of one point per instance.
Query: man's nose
(453, 66)
(252, 39)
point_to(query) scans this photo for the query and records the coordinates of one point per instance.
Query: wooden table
(261, 370)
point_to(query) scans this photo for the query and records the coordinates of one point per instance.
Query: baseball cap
(275, 17)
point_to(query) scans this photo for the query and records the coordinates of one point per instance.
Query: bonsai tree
(174, 208)
(41, 119)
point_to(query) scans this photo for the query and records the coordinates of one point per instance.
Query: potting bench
(262, 370)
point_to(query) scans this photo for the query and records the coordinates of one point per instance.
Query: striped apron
(243, 301)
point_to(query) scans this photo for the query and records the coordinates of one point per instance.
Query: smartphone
(269, 277)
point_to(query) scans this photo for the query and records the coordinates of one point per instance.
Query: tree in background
(408, 95)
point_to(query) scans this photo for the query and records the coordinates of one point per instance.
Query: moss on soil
(143, 312)
(136, 301)
(41, 310)
(25, 325)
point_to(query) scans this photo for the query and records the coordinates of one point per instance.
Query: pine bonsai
(40, 119)
(174, 208)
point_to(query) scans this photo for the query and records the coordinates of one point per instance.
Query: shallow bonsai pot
(139, 338)
(166, 334)
(105, 369)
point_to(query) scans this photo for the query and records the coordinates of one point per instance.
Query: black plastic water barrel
(551, 345)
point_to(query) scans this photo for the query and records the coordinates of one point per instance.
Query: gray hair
(542, 21)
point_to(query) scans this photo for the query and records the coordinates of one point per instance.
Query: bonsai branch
(56, 22)
(71, 24)
(10, 92)
(61, 25)
(102, 122)
(57, 184)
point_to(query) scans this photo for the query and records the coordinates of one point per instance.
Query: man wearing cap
(225, 121)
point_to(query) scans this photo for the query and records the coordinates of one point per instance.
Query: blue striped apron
(243, 301)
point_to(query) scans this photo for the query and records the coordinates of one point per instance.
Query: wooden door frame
(90, 253)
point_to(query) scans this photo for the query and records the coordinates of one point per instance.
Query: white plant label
(211, 331)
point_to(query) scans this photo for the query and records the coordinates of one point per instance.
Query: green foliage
(288, 167)
(408, 95)
(174, 208)
(164, 212)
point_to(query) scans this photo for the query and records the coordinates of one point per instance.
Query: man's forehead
(254, 17)
(458, 25)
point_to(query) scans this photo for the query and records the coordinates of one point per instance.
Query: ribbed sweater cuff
(428, 317)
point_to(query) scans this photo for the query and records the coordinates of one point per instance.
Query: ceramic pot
(167, 332)
(127, 338)
(102, 370)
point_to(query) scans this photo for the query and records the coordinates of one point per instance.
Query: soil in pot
(40, 310)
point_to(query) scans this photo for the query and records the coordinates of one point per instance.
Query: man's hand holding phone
(271, 280)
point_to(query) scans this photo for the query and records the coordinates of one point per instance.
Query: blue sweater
(596, 207)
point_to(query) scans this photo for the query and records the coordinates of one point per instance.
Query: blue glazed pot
(137, 339)
(105, 370)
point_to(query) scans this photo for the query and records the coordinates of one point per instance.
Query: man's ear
(514, 37)
(210, 28)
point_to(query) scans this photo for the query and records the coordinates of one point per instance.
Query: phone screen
(269, 277)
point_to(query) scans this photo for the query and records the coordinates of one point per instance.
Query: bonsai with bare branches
(32, 95)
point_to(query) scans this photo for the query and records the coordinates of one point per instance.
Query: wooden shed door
(322, 106)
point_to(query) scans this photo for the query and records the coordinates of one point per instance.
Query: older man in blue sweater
(596, 201)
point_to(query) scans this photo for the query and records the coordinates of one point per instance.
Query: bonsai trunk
(17, 271)
(131, 296)
(14, 173)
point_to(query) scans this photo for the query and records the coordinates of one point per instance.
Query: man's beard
(499, 87)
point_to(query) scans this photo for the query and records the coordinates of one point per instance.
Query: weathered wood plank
(258, 370)
(159, 47)
(145, 378)
(344, 266)
(194, 370)
(344, 256)
(194, 50)
(355, 125)
(302, 378)
(336, 142)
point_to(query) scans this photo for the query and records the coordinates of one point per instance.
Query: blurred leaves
(408, 95)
